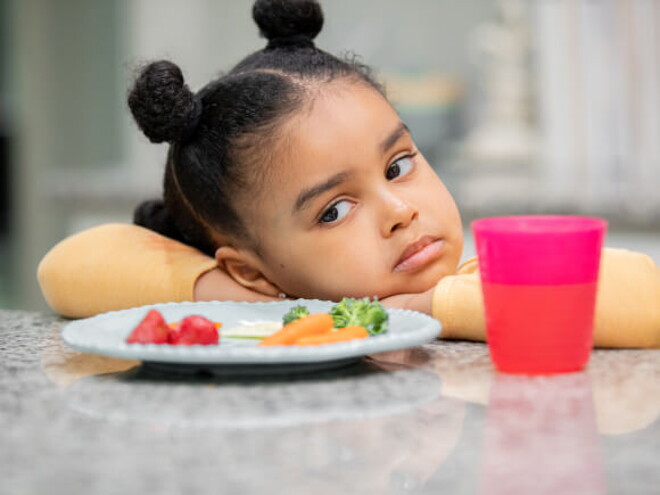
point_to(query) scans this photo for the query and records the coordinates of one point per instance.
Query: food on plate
(151, 330)
(305, 326)
(192, 330)
(349, 319)
(252, 330)
(335, 335)
(361, 312)
(174, 324)
(295, 313)
(195, 330)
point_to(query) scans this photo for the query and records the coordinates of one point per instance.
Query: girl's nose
(399, 214)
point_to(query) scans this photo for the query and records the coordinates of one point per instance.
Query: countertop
(432, 419)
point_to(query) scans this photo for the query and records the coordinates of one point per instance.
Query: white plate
(105, 334)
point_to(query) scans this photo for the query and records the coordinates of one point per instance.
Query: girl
(293, 176)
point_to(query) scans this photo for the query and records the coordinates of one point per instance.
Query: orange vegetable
(337, 335)
(309, 325)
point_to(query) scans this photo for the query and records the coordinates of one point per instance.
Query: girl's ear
(243, 267)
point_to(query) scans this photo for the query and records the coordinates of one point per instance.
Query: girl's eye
(400, 167)
(336, 212)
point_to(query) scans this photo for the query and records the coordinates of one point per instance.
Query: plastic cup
(538, 276)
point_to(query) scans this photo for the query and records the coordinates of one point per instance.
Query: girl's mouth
(419, 254)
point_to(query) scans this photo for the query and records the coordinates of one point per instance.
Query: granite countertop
(433, 419)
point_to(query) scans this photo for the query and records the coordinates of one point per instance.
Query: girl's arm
(627, 305)
(422, 302)
(118, 266)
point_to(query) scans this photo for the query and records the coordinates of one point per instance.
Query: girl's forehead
(342, 127)
(340, 124)
(346, 92)
(341, 111)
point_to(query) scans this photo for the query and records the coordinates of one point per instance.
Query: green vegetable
(362, 312)
(294, 313)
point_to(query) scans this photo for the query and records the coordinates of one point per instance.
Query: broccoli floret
(294, 313)
(363, 312)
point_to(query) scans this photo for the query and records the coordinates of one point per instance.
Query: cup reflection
(541, 437)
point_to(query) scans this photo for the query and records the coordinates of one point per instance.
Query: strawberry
(194, 330)
(151, 330)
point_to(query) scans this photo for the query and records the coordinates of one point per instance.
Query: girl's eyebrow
(391, 140)
(306, 195)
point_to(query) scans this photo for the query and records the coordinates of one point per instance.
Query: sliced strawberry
(194, 330)
(151, 330)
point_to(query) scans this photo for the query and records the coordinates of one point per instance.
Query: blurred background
(544, 106)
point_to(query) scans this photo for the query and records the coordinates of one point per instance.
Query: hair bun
(296, 20)
(162, 105)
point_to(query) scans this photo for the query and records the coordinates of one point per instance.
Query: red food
(151, 330)
(175, 324)
(194, 330)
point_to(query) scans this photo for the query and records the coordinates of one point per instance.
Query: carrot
(338, 335)
(313, 324)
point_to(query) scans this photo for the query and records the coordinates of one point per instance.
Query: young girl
(293, 176)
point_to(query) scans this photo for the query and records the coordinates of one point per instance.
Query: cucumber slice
(252, 330)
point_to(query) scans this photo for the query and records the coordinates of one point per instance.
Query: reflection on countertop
(540, 437)
(431, 419)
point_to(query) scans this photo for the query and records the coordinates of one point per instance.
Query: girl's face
(351, 208)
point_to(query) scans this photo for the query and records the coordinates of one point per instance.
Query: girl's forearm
(421, 301)
(217, 285)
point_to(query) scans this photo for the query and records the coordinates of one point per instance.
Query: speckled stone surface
(433, 419)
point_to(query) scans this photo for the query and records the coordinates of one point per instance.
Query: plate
(105, 334)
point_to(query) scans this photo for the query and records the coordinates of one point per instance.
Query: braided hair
(223, 137)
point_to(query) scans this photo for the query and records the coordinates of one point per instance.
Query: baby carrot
(313, 324)
(338, 335)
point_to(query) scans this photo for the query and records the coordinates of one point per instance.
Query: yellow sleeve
(628, 301)
(627, 305)
(458, 304)
(117, 266)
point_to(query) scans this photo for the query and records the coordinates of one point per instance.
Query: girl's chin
(420, 284)
(382, 294)
(413, 285)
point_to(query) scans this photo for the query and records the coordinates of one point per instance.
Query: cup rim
(539, 223)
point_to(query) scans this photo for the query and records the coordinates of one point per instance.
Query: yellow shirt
(117, 266)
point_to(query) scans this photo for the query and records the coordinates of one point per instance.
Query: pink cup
(539, 276)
